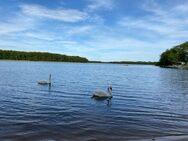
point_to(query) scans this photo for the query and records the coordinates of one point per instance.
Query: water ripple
(147, 102)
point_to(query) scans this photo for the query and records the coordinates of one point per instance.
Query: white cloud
(79, 30)
(143, 24)
(182, 8)
(100, 4)
(39, 36)
(66, 15)
(163, 28)
(169, 23)
(16, 24)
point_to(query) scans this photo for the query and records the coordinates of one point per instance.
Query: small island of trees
(39, 56)
(176, 56)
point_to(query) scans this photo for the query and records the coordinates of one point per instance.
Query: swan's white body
(45, 82)
(103, 94)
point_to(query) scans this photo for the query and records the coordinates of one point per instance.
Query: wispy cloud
(160, 21)
(182, 8)
(100, 4)
(16, 24)
(66, 15)
(89, 31)
(80, 30)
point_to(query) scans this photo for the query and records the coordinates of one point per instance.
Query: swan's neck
(110, 92)
(50, 78)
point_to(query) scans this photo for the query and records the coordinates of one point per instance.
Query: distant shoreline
(40, 61)
(39, 56)
(12, 55)
(176, 66)
(135, 62)
(91, 62)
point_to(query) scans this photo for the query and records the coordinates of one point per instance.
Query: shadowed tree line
(175, 55)
(39, 56)
(135, 62)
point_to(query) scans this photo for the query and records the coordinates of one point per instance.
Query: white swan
(103, 94)
(45, 82)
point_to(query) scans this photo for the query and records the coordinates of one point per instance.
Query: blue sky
(106, 30)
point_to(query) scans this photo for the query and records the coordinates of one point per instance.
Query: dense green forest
(39, 56)
(175, 55)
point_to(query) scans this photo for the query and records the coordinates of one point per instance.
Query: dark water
(147, 102)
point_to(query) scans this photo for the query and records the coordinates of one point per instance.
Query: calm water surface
(148, 102)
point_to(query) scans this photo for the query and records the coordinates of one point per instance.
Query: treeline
(135, 62)
(175, 56)
(39, 56)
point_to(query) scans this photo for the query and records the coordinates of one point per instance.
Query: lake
(148, 102)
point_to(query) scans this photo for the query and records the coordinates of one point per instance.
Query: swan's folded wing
(100, 94)
(43, 82)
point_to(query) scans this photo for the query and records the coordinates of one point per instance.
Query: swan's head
(110, 89)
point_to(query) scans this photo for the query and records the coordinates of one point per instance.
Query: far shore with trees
(39, 56)
(176, 57)
(45, 56)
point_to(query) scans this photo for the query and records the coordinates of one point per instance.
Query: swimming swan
(45, 82)
(103, 94)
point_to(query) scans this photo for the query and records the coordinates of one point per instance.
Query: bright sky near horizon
(106, 30)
